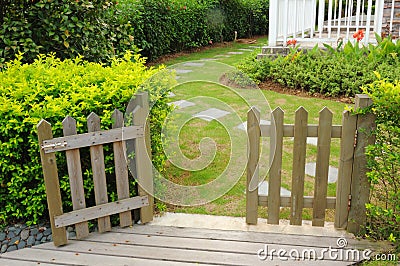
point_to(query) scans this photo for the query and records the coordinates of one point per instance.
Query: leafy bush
(340, 71)
(50, 88)
(384, 162)
(67, 28)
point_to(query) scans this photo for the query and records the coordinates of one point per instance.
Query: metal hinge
(355, 138)
(349, 203)
(55, 145)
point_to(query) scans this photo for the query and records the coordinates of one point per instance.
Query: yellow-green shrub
(50, 88)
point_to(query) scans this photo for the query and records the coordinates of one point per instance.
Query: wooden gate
(352, 190)
(94, 139)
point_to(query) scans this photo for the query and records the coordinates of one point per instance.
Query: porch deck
(154, 244)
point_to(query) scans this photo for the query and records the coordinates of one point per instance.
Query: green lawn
(227, 139)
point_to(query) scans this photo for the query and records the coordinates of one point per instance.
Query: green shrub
(332, 72)
(384, 162)
(50, 88)
(67, 28)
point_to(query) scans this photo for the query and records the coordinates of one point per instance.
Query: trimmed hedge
(51, 89)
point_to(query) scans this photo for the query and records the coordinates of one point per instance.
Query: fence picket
(121, 169)
(322, 167)
(75, 177)
(298, 171)
(274, 188)
(144, 170)
(52, 184)
(99, 175)
(254, 134)
(345, 169)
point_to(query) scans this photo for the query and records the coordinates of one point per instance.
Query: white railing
(330, 20)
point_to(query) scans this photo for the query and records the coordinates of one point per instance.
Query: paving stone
(209, 59)
(332, 172)
(243, 126)
(25, 234)
(11, 248)
(34, 231)
(2, 236)
(193, 64)
(30, 241)
(4, 248)
(177, 77)
(263, 190)
(222, 55)
(246, 50)
(183, 71)
(235, 52)
(21, 244)
(11, 234)
(310, 140)
(47, 232)
(39, 236)
(211, 114)
(182, 104)
(171, 94)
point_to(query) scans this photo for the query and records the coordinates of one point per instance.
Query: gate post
(360, 185)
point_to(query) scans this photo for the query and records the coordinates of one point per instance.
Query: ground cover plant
(341, 71)
(51, 89)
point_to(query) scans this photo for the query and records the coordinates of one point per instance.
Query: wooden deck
(165, 245)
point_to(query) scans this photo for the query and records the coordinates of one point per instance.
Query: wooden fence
(352, 190)
(94, 139)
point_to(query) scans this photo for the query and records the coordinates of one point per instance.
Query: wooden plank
(22, 262)
(312, 131)
(75, 177)
(121, 170)
(99, 174)
(144, 166)
(92, 138)
(102, 210)
(159, 252)
(254, 134)
(360, 186)
(322, 166)
(274, 188)
(349, 122)
(245, 236)
(298, 170)
(76, 257)
(308, 201)
(52, 184)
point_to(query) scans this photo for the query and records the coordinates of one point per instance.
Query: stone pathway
(332, 173)
(181, 104)
(263, 190)
(211, 114)
(243, 126)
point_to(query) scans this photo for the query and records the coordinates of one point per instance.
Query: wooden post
(121, 170)
(360, 186)
(349, 124)
(99, 174)
(75, 177)
(52, 183)
(273, 22)
(144, 167)
(254, 134)
(274, 187)
(299, 162)
(322, 168)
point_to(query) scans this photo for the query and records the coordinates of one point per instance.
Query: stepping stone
(182, 104)
(193, 64)
(209, 59)
(222, 55)
(310, 140)
(243, 126)
(171, 94)
(211, 114)
(332, 172)
(177, 77)
(263, 190)
(254, 47)
(235, 52)
(183, 71)
(246, 50)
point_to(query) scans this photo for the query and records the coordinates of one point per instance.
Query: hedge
(51, 89)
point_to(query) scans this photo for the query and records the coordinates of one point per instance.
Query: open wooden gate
(352, 190)
(94, 139)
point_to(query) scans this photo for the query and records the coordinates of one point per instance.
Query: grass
(227, 137)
